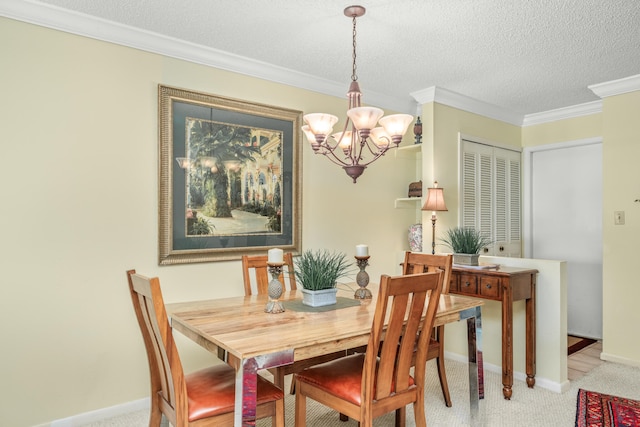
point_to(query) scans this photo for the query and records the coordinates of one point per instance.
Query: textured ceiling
(526, 56)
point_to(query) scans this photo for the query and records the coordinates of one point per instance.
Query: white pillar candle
(362, 250)
(275, 256)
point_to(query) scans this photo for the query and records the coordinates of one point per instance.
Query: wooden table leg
(531, 335)
(507, 342)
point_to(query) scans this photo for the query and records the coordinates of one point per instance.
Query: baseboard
(621, 360)
(100, 414)
(541, 382)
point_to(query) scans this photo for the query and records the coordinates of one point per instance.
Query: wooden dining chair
(415, 263)
(256, 266)
(364, 386)
(202, 398)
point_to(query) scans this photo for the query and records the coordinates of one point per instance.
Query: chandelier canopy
(360, 142)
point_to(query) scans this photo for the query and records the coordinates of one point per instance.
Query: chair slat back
(167, 377)
(402, 300)
(415, 263)
(256, 266)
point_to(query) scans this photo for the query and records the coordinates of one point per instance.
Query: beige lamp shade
(435, 200)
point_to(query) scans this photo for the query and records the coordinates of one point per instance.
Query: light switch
(619, 217)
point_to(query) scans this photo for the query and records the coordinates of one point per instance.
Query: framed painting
(229, 177)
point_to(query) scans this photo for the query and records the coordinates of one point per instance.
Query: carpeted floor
(527, 408)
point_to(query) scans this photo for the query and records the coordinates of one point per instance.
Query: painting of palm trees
(234, 183)
(229, 173)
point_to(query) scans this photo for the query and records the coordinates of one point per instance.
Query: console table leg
(507, 341)
(531, 334)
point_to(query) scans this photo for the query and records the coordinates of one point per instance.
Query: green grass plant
(321, 269)
(465, 240)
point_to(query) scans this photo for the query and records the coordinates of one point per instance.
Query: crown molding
(463, 102)
(100, 29)
(89, 26)
(616, 87)
(593, 107)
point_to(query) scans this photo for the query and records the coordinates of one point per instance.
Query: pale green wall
(621, 190)
(619, 128)
(573, 129)
(79, 182)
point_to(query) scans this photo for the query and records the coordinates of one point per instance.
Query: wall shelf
(407, 202)
(408, 151)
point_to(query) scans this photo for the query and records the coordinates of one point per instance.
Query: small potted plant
(466, 243)
(318, 272)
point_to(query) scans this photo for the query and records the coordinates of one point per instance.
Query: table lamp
(435, 203)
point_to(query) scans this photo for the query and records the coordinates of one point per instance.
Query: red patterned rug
(602, 410)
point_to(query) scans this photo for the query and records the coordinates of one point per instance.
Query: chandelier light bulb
(396, 125)
(381, 138)
(321, 124)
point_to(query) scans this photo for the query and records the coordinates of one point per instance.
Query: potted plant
(318, 272)
(466, 243)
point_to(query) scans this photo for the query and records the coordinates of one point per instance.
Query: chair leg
(301, 409)
(155, 415)
(278, 378)
(442, 372)
(278, 419)
(292, 389)
(419, 412)
(401, 417)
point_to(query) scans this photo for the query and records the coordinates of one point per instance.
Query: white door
(566, 224)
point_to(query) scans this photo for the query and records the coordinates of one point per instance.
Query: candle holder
(362, 278)
(275, 289)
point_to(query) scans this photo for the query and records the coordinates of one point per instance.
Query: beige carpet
(527, 408)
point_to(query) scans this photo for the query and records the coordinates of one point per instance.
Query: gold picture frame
(230, 181)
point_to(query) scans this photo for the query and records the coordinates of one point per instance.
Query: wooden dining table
(253, 340)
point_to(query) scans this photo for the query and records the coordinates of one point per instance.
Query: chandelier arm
(378, 151)
(330, 155)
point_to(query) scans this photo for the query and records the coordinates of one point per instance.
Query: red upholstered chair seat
(211, 391)
(345, 377)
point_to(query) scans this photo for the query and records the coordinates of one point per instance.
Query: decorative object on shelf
(415, 238)
(360, 143)
(318, 273)
(362, 278)
(417, 131)
(465, 242)
(415, 189)
(435, 203)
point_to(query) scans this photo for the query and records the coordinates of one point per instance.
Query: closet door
(490, 196)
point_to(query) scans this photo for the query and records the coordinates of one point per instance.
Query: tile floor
(583, 361)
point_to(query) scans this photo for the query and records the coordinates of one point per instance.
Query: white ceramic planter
(466, 259)
(319, 298)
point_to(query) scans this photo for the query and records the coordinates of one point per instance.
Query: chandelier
(360, 143)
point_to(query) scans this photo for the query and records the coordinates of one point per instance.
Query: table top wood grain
(240, 326)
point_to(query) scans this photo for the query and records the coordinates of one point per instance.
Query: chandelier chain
(354, 76)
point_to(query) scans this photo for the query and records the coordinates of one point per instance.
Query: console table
(505, 284)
